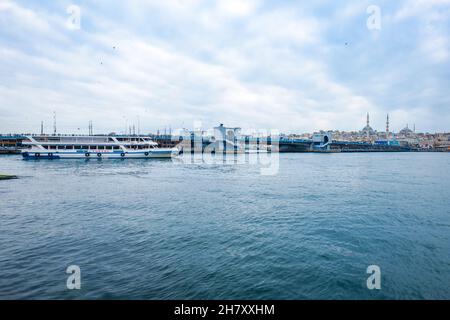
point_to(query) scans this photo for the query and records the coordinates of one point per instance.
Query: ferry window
(77, 147)
(85, 147)
(53, 147)
(116, 148)
(108, 147)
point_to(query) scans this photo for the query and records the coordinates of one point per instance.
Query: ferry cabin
(55, 147)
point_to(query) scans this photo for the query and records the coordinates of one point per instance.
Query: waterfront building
(406, 132)
(442, 142)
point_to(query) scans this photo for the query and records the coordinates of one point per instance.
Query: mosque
(367, 130)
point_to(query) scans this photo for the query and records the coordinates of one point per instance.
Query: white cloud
(435, 45)
(19, 16)
(237, 8)
(174, 62)
(419, 8)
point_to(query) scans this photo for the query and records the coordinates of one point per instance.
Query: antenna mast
(54, 123)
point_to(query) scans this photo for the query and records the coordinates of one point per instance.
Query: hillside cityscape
(367, 138)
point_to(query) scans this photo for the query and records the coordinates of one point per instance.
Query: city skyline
(295, 67)
(135, 128)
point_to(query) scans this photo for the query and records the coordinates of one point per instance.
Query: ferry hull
(122, 155)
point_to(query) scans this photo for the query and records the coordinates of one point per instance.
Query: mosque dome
(406, 131)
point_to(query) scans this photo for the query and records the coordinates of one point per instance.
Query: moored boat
(97, 147)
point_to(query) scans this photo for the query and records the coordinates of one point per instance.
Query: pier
(283, 145)
(10, 144)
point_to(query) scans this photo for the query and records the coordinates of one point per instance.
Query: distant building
(367, 130)
(442, 142)
(406, 131)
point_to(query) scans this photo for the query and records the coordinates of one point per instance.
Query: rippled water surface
(157, 229)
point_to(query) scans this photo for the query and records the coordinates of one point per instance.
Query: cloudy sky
(295, 66)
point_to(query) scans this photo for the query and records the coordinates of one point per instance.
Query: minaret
(368, 119)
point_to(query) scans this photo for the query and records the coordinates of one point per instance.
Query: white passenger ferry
(96, 147)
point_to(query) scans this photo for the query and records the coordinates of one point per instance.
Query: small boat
(7, 177)
(93, 147)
